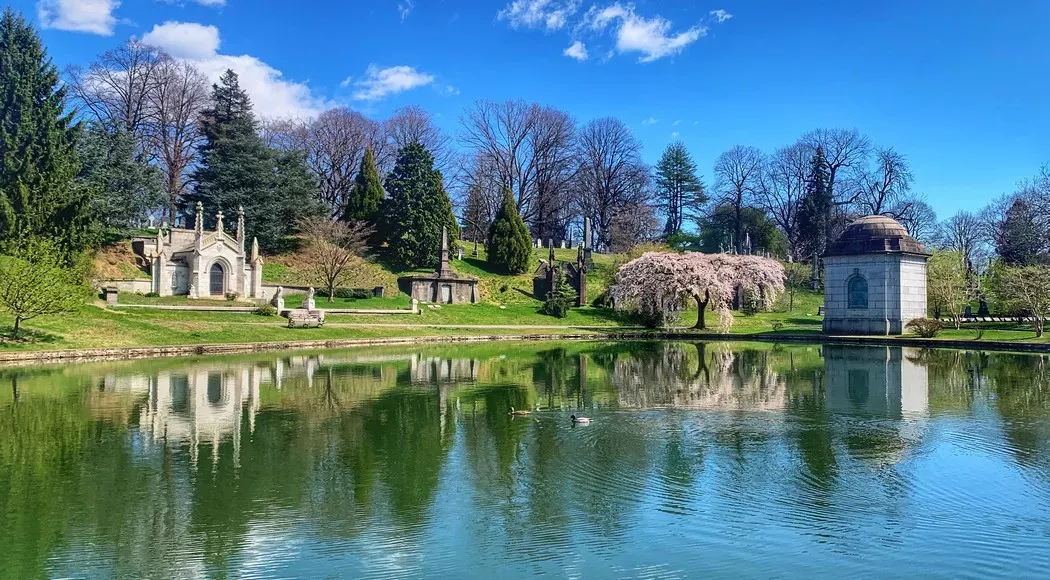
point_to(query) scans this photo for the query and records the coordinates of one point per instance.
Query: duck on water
(580, 420)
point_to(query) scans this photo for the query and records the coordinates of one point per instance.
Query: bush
(231, 296)
(350, 293)
(925, 327)
(151, 295)
(509, 243)
(265, 310)
(561, 299)
(603, 300)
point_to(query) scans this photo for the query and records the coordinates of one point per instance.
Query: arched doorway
(217, 280)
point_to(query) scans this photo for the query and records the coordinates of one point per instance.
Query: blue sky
(961, 88)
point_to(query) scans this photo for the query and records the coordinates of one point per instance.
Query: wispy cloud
(576, 50)
(548, 14)
(650, 121)
(405, 8)
(380, 83)
(674, 135)
(91, 16)
(652, 37)
(721, 15)
(676, 123)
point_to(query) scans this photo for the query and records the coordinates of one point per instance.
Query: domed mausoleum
(874, 279)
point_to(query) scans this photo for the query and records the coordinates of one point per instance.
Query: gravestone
(111, 296)
(309, 303)
(967, 312)
(563, 244)
(982, 308)
(459, 254)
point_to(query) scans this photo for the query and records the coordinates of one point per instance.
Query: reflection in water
(704, 459)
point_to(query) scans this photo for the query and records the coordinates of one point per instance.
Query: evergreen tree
(238, 170)
(814, 219)
(366, 197)
(38, 158)
(476, 215)
(416, 210)
(509, 244)
(124, 191)
(1021, 242)
(681, 190)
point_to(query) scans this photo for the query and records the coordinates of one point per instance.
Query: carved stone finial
(255, 249)
(199, 223)
(218, 221)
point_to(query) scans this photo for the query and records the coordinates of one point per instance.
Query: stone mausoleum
(443, 286)
(874, 279)
(201, 264)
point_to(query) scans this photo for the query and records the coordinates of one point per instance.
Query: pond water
(702, 460)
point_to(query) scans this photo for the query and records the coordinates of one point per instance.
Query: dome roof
(875, 234)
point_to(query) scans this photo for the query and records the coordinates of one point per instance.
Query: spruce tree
(124, 190)
(416, 210)
(509, 244)
(38, 158)
(1021, 241)
(237, 169)
(366, 197)
(681, 191)
(817, 204)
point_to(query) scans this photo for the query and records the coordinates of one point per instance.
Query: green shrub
(151, 295)
(561, 299)
(265, 310)
(231, 296)
(925, 327)
(603, 300)
(509, 243)
(349, 293)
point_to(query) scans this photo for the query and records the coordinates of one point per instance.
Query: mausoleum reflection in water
(399, 461)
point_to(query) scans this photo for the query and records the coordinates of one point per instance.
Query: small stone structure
(443, 286)
(874, 279)
(201, 264)
(546, 276)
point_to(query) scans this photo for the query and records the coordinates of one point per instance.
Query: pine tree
(238, 170)
(814, 220)
(681, 190)
(1021, 242)
(38, 158)
(366, 198)
(124, 190)
(509, 243)
(416, 210)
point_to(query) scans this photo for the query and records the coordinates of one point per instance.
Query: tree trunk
(701, 310)
(331, 293)
(1038, 326)
(18, 326)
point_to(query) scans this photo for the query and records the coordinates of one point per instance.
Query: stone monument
(874, 279)
(278, 300)
(309, 303)
(443, 286)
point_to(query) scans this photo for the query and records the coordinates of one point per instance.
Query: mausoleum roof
(875, 234)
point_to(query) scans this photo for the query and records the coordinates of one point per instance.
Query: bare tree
(116, 88)
(555, 165)
(335, 143)
(333, 247)
(846, 152)
(886, 189)
(501, 132)
(782, 186)
(921, 221)
(175, 102)
(414, 124)
(964, 233)
(611, 174)
(738, 174)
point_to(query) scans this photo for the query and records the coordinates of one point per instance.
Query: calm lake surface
(703, 460)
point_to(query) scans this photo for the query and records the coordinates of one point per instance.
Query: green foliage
(416, 210)
(797, 278)
(123, 189)
(38, 158)
(366, 198)
(817, 203)
(717, 229)
(237, 169)
(35, 282)
(947, 284)
(265, 310)
(509, 243)
(561, 299)
(681, 191)
(925, 327)
(348, 293)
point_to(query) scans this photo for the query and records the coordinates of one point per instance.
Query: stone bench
(302, 318)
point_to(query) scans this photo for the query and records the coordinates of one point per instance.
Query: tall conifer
(366, 197)
(509, 243)
(38, 158)
(417, 209)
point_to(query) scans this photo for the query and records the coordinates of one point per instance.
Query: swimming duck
(518, 413)
(580, 420)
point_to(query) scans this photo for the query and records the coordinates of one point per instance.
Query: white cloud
(652, 37)
(549, 14)
(405, 8)
(577, 50)
(184, 39)
(379, 83)
(721, 15)
(674, 135)
(346, 82)
(677, 122)
(93, 16)
(650, 121)
(271, 93)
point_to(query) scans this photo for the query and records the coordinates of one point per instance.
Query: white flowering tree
(660, 284)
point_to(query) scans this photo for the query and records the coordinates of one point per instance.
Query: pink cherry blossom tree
(659, 284)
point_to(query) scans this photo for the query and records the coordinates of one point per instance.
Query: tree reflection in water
(138, 469)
